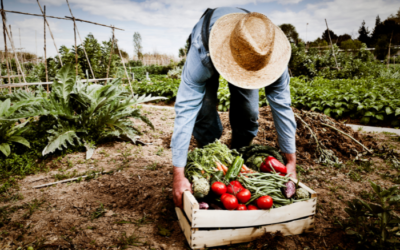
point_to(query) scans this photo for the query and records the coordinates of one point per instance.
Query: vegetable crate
(209, 228)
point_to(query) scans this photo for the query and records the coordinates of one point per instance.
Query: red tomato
(223, 196)
(236, 183)
(232, 189)
(218, 188)
(265, 202)
(241, 207)
(230, 202)
(252, 207)
(243, 196)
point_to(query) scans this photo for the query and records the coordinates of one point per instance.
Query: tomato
(265, 202)
(252, 207)
(236, 183)
(230, 202)
(241, 207)
(218, 188)
(243, 196)
(223, 196)
(232, 189)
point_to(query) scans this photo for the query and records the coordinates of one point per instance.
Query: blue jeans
(196, 106)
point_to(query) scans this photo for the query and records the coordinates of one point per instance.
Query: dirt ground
(132, 207)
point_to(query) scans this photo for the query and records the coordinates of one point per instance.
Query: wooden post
(37, 55)
(111, 53)
(333, 52)
(45, 54)
(390, 43)
(16, 55)
(3, 14)
(51, 34)
(76, 51)
(84, 50)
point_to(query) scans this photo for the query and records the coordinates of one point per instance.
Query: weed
(132, 240)
(153, 167)
(142, 221)
(163, 231)
(355, 176)
(160, 151)
(99, 212)
(66, 175)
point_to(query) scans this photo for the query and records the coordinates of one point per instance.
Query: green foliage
(158, 86)
(11, 130)
(314, 63)
(375, 225)
(367, 99)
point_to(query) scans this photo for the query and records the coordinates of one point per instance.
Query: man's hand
(180, 184)
(291, 165)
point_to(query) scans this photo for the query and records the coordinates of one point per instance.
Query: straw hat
(248, 50)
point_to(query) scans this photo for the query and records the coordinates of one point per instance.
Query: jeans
(196, 103)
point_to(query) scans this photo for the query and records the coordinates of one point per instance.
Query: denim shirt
(192, 89)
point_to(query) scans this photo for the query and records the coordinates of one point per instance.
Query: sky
(165, 24)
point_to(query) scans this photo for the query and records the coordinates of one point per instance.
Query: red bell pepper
(270, 162)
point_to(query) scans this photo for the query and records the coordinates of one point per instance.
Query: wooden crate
(231, 227)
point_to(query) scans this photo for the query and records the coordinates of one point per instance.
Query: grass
(99, 212)
(125, 241)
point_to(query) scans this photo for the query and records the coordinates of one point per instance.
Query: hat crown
(252, 41)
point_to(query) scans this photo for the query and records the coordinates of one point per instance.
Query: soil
(133, 208)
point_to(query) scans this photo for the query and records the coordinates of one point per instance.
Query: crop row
(370, 100)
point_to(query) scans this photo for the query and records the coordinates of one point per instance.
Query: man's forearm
(291, 164)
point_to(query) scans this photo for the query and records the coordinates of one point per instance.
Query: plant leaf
(5, 149)
(20, 140)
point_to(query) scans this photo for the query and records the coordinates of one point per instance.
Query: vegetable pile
(220, 178)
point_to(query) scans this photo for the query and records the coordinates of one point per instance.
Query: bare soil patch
(133, 207)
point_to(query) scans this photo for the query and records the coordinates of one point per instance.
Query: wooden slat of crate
(223, 218)
(210, 238)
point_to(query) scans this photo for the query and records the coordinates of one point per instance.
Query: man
(250, 52)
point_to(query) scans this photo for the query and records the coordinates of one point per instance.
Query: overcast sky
(165, 24)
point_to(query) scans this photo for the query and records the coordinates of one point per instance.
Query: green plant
(132, 240)
(84, 114)
(99, 212)
(375, 226)
(10, 129)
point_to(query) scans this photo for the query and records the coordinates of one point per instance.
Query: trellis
(7, 33)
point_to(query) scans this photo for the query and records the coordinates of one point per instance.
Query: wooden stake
(45, 54)
(111, 53)
(84, 50)
(16, 55)
(76, 50)
(390, 43)
(51, 34)
(62, 18)
(3, 14)
(333, 52)
(126, 72)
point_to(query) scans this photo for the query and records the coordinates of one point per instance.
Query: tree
(342, 38)
(364, 34)
(377, 20)
(395, 18)
(137, 45)
(351, 45)
(318, 43)
(183, 51)
(290, 32)
(326, 34)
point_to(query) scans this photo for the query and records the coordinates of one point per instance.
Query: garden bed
(133, 206)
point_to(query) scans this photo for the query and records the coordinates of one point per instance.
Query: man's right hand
(180, 185)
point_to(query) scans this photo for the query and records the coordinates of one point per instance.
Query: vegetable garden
(87, 165)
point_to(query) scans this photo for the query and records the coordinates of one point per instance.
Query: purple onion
(289, 190)
(216, 207)
(203, 205)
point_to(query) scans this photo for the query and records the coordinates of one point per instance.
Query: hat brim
(226, 66)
